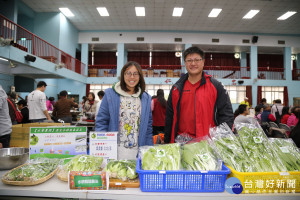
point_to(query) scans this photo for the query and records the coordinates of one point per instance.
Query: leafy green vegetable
(122, 169)
(84, 163)
(161, 157)
(286, 151)
(33, 171)
(230, 149)
(258, 148)
(199, 156)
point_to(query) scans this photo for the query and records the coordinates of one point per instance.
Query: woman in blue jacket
(126, 108)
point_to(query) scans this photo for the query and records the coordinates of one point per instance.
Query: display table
(59, 189)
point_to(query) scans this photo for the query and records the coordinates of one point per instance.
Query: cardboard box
(20, 133)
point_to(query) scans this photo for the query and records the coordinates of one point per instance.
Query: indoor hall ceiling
(194, 18)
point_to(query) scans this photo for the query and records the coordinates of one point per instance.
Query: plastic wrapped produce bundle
(161, 157)
(122, 169)
(200, 156)
(287, 152)
(32, 173)
(80, 163)
(230, 149)
(258, 148)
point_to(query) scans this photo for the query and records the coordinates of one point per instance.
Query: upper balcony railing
(228, 72)
(29, 42)
(270, 73)
(175, 71)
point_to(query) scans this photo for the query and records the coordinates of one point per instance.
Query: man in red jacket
(196, 101)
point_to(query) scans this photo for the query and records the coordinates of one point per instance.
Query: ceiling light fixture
(103, 11)
(286, 15)
(177, 12)
(67, 12)
(140, 11)
(215, 12)
(237, 55)
(4, 59)
(251, 14)
(178, 54)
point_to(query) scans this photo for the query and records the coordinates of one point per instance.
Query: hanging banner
(104, 144)
(57, 142)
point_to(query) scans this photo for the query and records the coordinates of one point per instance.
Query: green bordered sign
(88, 181)
(84, 180)
(57, 142)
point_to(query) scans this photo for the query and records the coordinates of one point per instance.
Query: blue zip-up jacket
(108, 116)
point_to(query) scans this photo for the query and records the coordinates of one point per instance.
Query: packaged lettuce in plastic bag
(229, 148)
(258, 148)
(199, 155)
(121, 169)
(79, 163)
(33, 171)
(160, 157)
(287, 152)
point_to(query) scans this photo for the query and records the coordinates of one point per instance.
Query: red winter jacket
(212, 107)
(158, 114)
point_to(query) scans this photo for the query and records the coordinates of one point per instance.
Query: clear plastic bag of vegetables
(121, 169)
(287, 152)
(258, 148)
(199, 155)
(33, 171)
(229, 148)
(160, 157)
(79, 163)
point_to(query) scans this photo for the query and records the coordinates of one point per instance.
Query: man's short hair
(101, 93)
(192, 50)
(12, 95)
(242, 108)
(278, 101)
(41, 84)
(63, 93)
(263, 100)
(22, 102)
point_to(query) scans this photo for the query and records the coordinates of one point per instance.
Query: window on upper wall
(272, 93)
(96, 88)
(236, 93)
(151, 89)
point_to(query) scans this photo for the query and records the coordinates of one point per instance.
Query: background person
(158, 107)
(37, 104)
(49, 103)
(246, 102)
(126, 108)
(100, 95)
(61, 109)
(5, 121)
(12, 107)
(242, 117)
(22, 106)
(91, 104)
(266, 115)
(285, 114)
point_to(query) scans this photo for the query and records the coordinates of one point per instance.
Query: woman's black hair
(161, 98)
(285, 110)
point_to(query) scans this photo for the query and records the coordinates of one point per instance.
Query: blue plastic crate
(182, 181)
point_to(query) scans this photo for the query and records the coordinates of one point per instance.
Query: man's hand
(1, 146)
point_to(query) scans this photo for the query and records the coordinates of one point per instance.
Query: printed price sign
(104, 144)
(85, 180)
(57, 142)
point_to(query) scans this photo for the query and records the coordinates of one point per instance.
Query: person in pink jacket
(293, 120)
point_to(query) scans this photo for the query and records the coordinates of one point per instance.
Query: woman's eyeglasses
(129, 74)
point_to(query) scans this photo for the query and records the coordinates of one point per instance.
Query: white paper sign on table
(104, 144)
